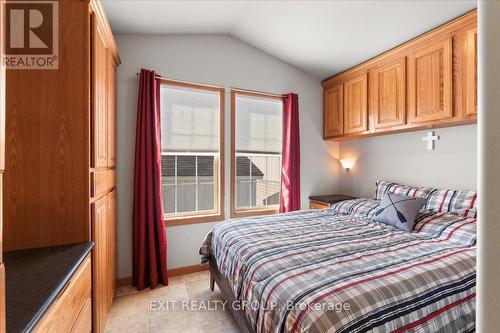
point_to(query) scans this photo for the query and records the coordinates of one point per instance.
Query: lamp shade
(347, 164)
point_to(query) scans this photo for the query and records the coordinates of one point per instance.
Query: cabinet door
(100, 217)
(471, 73)
(99, 112)
(333, 111)
(111, 249)
(111, 90)
(430, 83)
(387, 94)
(356, 105)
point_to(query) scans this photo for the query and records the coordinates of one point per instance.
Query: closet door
(99, 112)
(333, 111)
(100, 216)
(388, 94)
(356, 104)
(471, 73)
(111, 249)
(430, 83)
(111, 92)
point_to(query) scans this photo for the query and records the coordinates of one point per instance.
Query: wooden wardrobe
(59, 184)
(2, 166)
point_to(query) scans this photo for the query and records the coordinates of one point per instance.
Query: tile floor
(140, 312)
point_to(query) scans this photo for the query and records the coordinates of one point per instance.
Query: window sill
(193, 219)
(254, 212)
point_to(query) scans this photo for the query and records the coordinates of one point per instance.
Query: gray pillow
(398, 210)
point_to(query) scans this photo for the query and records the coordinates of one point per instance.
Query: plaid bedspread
(331, 271)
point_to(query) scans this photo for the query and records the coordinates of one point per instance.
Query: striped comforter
(328, 271)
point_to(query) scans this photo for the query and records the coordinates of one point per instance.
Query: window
(192, 162)
(256, 130)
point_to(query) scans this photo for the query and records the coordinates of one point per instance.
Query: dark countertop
(34, 278)
(330, 198)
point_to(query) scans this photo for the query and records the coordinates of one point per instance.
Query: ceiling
(321, 37)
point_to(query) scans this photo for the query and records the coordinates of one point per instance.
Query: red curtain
(290, 168)
(149, 239)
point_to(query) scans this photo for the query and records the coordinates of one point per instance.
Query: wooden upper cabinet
(430, 83)
(388, 94)
(471, 72)
(333, 111)
(356, 104)
(99, 107)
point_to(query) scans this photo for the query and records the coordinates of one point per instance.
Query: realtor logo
(31, 35)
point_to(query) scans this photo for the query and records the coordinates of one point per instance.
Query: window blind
(258, 125)
(190, 119)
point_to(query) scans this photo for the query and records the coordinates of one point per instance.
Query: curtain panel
(149, 238)
(290, 169)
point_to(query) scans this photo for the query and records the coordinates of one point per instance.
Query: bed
(336, 270)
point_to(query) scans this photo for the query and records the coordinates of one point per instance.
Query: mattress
(336, 270)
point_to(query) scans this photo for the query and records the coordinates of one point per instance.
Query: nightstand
(325, 201)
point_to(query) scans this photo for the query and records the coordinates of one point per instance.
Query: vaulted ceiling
(321, 37)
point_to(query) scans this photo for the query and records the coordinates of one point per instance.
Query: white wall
(227, 62)
(488, 263)
(404, 158)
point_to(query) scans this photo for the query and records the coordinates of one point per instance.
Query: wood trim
(124, 281)
(186, 270)
(95, 7)
(234, 213)
(232, 156)
(254, 93)
(406, 48)
(254, 212)
(405, 128)
(219, 214)
(193, 219)
(471, 87)
(127, 281)
(191, 85)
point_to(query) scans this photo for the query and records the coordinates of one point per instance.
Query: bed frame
(225, 287)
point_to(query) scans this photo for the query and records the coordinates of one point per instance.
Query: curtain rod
(157, 76)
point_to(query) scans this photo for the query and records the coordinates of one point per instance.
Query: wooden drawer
(99, 183)
(64, 313)
(318, 205)
(111, 178)
(83, 323)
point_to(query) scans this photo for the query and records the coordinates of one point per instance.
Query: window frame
(234, 212)
(218, 214)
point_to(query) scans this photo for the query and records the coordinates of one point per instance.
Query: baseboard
(127, 281)
(186, 270)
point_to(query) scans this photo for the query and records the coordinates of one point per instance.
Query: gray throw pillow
(398, 210)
